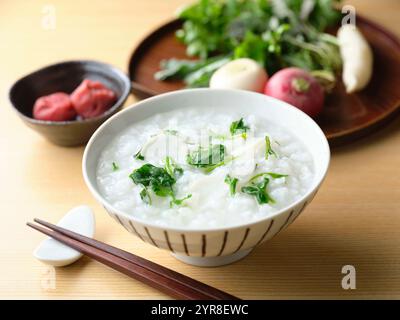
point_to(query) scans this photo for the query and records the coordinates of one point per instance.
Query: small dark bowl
(65, 77)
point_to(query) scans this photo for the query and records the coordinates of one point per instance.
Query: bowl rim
(125, 93)
(313, 188)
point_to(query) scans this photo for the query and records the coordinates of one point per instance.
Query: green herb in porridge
(179, 202)
(207, 157)
(273, 175)
(115, 166)
(219, 164)
(145, 196)
(232, 182)
(239, 127)
(268, 148)
(138, 155)
(172, 168)
(158, 180)
(259, 191)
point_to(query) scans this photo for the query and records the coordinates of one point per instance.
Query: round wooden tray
(345, 117)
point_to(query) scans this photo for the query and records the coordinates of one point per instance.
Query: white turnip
(244, 74)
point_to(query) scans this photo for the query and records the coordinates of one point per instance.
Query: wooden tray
(345, 117)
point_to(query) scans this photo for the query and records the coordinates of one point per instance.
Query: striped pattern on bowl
(212, 243)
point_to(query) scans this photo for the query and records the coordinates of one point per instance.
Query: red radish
(298, 88)
(92, 98)
(54, 107)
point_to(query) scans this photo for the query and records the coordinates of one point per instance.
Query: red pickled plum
(92, 98)
(54, 107)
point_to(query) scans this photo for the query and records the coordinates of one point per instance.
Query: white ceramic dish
(80, 220)
(218, 246)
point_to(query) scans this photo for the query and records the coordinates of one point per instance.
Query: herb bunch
(275, 33)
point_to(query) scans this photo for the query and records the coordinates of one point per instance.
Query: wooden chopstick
(142, 89)
(172, 275)
(164, 279)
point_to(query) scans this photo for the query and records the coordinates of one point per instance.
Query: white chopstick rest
(80, 220)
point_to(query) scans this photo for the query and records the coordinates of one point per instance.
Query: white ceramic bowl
(211, 247)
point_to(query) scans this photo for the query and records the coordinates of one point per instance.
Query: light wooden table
(355, 219)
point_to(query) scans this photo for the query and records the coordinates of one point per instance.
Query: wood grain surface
(354, 220)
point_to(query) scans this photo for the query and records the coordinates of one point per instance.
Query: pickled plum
(54, 107)
(92, 98)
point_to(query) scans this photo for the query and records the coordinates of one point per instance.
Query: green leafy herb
(172, 168)
(268, 148)
(138, 155)
(275, 33)
(239, 127)
(202, 76)
(177, 69)
(207, 157)
(155, 178)
(259, 191)
(252, 47)
(215, 25)
(115, 166)
(273, 175)
(232, 184)
(158, 180)
(219, 164)
(193, 73)
(145, 196)
(179, 202)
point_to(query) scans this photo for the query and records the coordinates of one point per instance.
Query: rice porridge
(202, 168)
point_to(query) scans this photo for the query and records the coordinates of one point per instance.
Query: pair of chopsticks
(166, 280)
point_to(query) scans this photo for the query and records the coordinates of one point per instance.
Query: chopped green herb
(219, 164)
(232, 184)
(115, 166)
(138, 155)
(259, 191)
(239, 127)
(145, 196)
(172, 168)
(273, 175)
(157, 179)
(207, 157)
(179, 202)
(268, 148)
